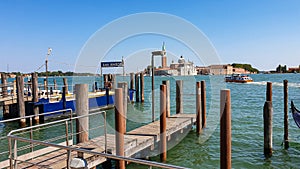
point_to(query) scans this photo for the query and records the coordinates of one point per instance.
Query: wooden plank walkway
(135, 141)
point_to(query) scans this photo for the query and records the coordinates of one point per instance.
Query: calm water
(247, 121)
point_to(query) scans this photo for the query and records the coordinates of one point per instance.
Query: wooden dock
(143, 138)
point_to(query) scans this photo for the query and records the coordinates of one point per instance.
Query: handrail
(115, 157)
(30, 116)
(53, 122)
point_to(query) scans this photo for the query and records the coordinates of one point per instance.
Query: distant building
(240, 71)
(220, 69)
(294, 69)
(181, 68)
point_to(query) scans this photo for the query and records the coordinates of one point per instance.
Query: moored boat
(238, 78)
(296, 114)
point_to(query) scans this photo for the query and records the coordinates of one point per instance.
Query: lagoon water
(247, 102)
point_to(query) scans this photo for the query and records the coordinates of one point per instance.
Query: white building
(182, 68)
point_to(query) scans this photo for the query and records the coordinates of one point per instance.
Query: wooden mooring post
(21, 103)
(142, 87)
(35, 97)
(4, 94)
(203, 103)
(131, 80)
(198, 108)
(269, 91)
(45, 84)
(167, 83)
(268, 117)
(120, 127)
(82, 108)
(124, 87)
(179, 88)
(286, 110)
(225, 127)
(163, 124)
(137, 94)
(54, 84)
(65, 81)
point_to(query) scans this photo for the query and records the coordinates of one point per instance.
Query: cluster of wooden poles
(33, 85)
(225, 120)
(268, 118)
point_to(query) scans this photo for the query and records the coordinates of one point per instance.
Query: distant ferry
(238, 79)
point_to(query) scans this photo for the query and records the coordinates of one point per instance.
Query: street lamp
(46, 64)
(155, 53)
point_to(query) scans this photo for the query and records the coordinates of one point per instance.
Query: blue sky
(263, 33)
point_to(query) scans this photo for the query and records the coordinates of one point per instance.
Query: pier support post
(225, 127)
(179, 87)
(131, 80)
(269, 91)
(82, 108)
(286, 110)
(203, 103)
(65, 81)
(54, 84)
(137, 91)
(35, 97)
(124, 87)
(21, 104)
(119, 125)
(142, 86)
(63, 97)
(163, 124)
(113, 81)
(45, 85)
(4, 94)
(268, 117)
(198, 108)
(167, 83)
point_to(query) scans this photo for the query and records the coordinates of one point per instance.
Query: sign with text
(112, 64)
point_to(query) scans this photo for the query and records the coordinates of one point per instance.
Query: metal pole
(153, 113)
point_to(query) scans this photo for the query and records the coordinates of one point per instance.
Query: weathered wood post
(167, 83)
(163, 124)
(119, 125)
(54, 84)
(4, 94)
(113, 81)
(225, 127)
(35, 97)
(65, 81)
(45, 85)
(269, 91)
(203, 103)
(64, 97)
(268, 117)
(198, 108)
(137, 92)
(142, 86)
(179, 87)
(124, 87)
(131, 80)
(82, 108)
(20, 95)
(286, 110)
(15, 88)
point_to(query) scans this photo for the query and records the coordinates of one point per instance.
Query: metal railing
(30, 117)
(110, 156)
(13, 137)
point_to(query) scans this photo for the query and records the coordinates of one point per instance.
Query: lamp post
(155, 53)
(46, 64)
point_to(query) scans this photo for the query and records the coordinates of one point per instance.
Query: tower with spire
(164, 57)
